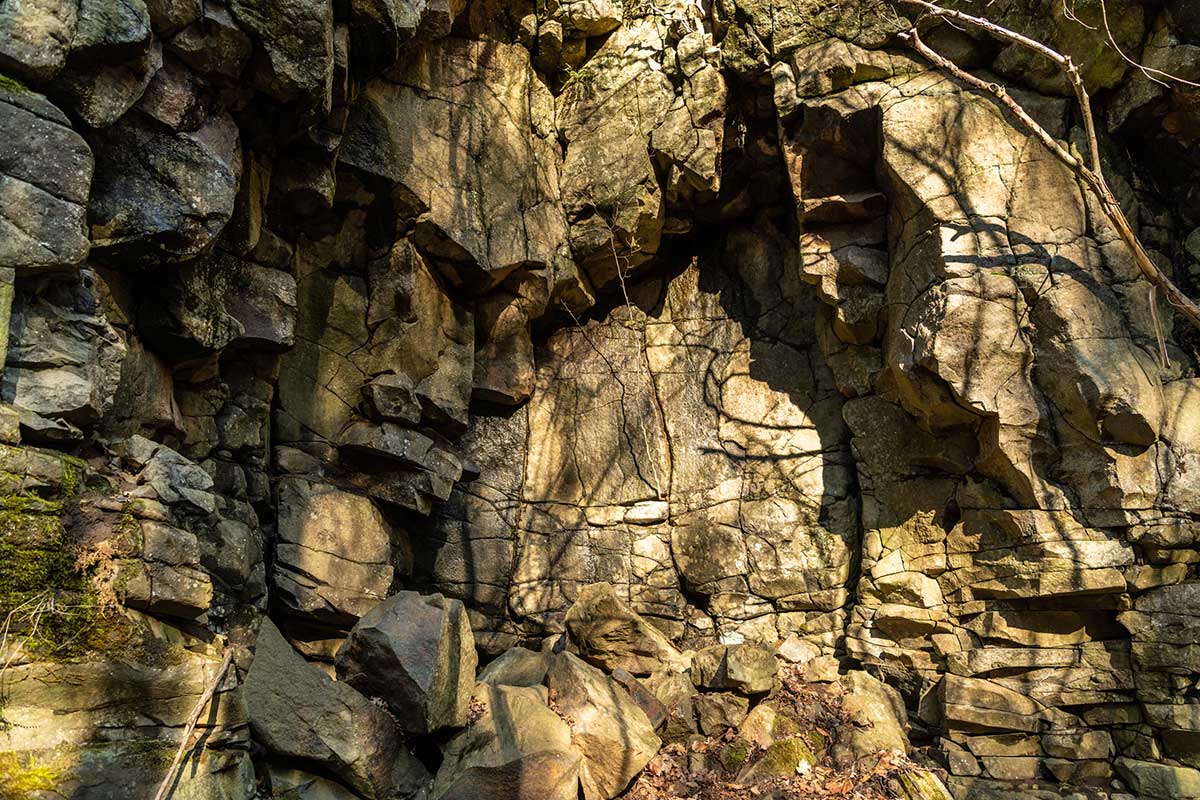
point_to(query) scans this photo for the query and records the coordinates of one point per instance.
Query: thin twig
(1093, 179)
(205, 698)
(1144, 69)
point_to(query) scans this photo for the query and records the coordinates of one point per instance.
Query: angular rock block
(609, 633)
(609, 728)
(518, 748)
(297, 711)
(415, 652)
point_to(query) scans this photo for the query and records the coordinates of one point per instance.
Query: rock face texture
(593, 397)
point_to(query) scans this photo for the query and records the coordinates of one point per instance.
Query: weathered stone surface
(63, 364)
(168, 16)
(610, 634)
(352, 327)
(417, 654)
(517, 748)
(504, 364)
(300, 785)
(980, 705)
(588, 17)
(296, 37)
(35, 38)
(59, 711)
(719, 712)
(1159, 781)
(213, 44)
(794, 756)
(503, 212)
(296, 711)
(878, 716)
(746, 668)
(334, 556)
(677, 694)
(45, 175)
(922, 414)
(263, 301)
(169, 580)
(99, 92)
(611, 731)
(517, 667)
(158, 195)
(609, 189)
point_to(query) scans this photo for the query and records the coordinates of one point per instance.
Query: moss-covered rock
(24, 776)
(782, 760)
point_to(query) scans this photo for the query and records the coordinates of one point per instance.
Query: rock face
(610, 634)
(717, 374)
(44, 181)
(334, 554)
(487, 195)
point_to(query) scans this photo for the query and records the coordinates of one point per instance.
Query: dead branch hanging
(201, 704)
(1091, 176)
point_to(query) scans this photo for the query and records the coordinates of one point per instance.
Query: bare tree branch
(1093, 177)
(1149, 72)
(202, 704)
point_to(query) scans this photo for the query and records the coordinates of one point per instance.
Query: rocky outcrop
(742, 394)
(517, 748)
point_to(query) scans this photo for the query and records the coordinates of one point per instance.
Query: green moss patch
(12, 84)
(49, 604)
(25, 776)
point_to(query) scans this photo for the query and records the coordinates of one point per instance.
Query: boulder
(415, 652)
(333, 561)
(113, 59)
(1159, 781)
(678, 696)
(297, 711)
(747, 668)
(213, 44)
(583, 18)
(608, 727)
(162, 195)
(877, 714)
(766, 724)
(35, 37)
(45, 176)
(296, 784)
(517, 667)
(168, 16)
(783, 759)
(516, 748)
(610, 634)
(655, 709)
(718, 712)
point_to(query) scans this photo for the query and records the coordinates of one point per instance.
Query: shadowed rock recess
(591, 399)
